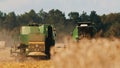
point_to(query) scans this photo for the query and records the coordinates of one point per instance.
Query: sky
(66, 6)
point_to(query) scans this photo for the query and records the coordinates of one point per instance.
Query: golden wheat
(95, 53)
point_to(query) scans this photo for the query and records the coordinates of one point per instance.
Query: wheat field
(94, 53)
(87, 53)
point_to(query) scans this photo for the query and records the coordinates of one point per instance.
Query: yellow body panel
(36, 49)
(37, 43)
(36, 54)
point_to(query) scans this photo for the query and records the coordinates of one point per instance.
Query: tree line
(106, 25)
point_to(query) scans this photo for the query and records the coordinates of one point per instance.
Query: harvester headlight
(83, 25)
(36, 46)
(27, 49)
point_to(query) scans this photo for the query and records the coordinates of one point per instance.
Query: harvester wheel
(21, 55)
(22, 48)
(22, 51)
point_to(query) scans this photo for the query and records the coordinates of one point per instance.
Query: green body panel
(25, 30)
(34, 30)
(24, 38)
(75, 33)
(33, 33)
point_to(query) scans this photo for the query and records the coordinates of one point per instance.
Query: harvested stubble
(27, 64)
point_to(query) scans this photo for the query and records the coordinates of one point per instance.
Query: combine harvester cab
(36, 40)
(83, 30)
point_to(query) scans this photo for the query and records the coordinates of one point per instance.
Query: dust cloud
(8, 37)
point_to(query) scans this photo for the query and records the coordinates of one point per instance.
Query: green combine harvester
(83, 30)
(35, 40)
